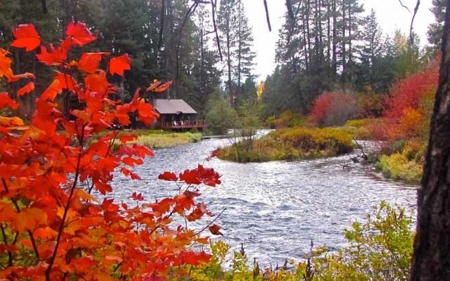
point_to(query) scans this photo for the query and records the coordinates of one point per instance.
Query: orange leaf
(25, 89)
(52, 90)
(215, 229)
(5, 101)
(163, 87)
(79, 33)
(26, 37)
(55, 57)
(89, 62)
(5, 64)
(29, 218)
(7, 212)
(97, 82)
(11, 121)
(119, 64)
(17, 77)
(153, 86)
(44, 233)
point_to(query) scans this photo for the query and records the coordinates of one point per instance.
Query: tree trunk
(334, 62)
(344, 67)
(431, 260)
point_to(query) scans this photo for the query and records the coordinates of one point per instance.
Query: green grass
(160, 139)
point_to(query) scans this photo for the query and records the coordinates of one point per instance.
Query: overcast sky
(391, 16)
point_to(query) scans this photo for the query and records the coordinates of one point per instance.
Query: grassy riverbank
(290, 144)
(162, 139)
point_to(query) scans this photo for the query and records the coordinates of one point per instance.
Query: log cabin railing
(180, 125)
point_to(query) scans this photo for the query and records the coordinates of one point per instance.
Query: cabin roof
(173, 106)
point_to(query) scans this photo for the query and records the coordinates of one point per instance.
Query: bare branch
(267, 15)
(403, 5)
(411, 31)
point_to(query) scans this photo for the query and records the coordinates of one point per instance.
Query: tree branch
(66, 208)
(267, 15)
(411, 33)
(403, 5)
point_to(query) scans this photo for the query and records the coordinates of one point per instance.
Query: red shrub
(333, 109)
(407, 108)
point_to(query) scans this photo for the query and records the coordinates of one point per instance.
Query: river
(276, 208)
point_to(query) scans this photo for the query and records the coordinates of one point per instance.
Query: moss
(290, 144)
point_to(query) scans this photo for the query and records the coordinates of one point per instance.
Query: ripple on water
(274, 208)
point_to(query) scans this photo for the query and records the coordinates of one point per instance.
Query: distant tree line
(166, 40)
(333, 45)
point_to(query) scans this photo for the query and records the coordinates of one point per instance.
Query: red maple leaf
(79, 33)
(55, 57)
(26, 37)
(168, 176)
(119, 64)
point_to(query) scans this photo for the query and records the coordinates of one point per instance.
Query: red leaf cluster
(50, 169)
(200, 175)
(409, 105)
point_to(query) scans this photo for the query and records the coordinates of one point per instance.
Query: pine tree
(435, 29)
(237, 41)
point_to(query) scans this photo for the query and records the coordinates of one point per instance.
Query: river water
(276, 208)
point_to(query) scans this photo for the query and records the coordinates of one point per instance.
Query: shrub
(409, 105)
(333, 109)
(290, 144)
(286, 119)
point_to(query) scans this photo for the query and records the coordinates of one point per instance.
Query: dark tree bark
(431, 260)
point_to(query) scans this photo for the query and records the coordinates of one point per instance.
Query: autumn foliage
(332, 109)
(409, 105)
(57, 220)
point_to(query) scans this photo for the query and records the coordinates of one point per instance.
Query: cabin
(176, 115)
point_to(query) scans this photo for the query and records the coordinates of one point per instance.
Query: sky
(391, 16)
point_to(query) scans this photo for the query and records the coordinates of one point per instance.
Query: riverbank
(156, 139)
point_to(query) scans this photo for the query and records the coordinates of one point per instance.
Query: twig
(411, 34)
(210, 223)
(267, 15)
(66, 209)
(360, 147)
(403, 5)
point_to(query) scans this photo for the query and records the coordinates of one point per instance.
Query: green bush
(397, 166)
(380, 249)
